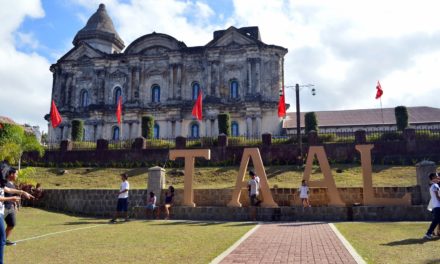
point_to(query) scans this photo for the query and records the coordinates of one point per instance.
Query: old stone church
(160, 76)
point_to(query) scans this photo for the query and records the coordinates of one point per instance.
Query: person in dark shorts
(122, 207)
(10, 206)
(169, 196)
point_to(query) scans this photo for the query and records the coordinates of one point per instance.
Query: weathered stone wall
(103, 203)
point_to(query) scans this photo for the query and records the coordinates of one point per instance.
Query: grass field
(219, 177)
(392, 242)
(90, 240)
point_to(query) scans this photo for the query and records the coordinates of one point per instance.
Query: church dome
(99, 27)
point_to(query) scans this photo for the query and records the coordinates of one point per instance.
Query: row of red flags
(56, 119)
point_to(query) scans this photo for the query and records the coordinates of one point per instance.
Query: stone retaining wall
(211, 204)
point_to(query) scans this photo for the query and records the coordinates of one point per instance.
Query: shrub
(224, 124)
(311, 123)
(391, 136)
(77, 130)
(401, 114)
(148, 127)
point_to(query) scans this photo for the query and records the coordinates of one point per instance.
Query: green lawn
(96, 241)
(219, 177)
(392, 242)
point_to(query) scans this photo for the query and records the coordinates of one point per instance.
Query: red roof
(367, 117)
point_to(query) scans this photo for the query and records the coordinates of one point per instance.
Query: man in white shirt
(122, 206)
(435, 202)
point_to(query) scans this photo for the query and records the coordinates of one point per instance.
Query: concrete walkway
(291, 243)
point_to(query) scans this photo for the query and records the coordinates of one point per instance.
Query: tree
(14, 141)
(401, 114)
(224, 124)
(310, 122)
(77, 130)
(148, 127)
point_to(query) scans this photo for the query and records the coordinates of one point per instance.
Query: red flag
(55, 117)
(119, 110)
(197, 109)
(282, 104)
(379, 91)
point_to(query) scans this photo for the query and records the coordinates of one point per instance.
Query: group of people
(254, 186)
(10, 198)
(151, 207)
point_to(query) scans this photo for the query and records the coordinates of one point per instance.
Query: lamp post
(298, 114)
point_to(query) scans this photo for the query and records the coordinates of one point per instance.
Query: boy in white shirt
(304, 194)
(253, 185)
(122, 199)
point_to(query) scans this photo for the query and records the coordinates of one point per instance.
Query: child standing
(304, 194)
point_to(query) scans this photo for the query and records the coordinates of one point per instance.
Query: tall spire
(100, 33)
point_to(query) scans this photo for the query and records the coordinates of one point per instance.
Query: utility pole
(298, 122)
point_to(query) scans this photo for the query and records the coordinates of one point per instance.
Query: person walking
(254, 186)
(122, 206)
(435, 204)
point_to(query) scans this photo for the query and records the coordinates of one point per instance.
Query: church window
(195, 130)
(195, 90)
(234, 89)
(84, 98)
(155, 94)
(118, 92)
(156, 131)
(235, 129)
(115, 134)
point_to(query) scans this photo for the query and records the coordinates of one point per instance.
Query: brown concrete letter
(189, 155)
(329, 182)
(368, 192)
(254, 154)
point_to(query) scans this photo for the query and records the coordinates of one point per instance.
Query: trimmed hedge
(224, 124)
(310, 121)
(77, 130)
(148, 127)
(401, 114)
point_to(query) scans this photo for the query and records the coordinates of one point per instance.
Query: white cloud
(26, 80)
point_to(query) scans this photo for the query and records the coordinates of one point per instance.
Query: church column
(169, 127)
(219, 81)
(179, 81)
(258, 132)
(249, 74)
(248, 126)
(207, 127)
(171, 81)
(215, 132)
(258, 77)
(178, 128)
(208, 85)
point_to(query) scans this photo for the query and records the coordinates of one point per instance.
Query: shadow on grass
(203, 223)
(433, 261)
(85, 222)
(409, 241)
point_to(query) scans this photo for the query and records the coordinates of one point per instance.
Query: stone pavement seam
(347, 245)
(220, 257)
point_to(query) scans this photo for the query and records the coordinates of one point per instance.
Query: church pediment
(232, 39)
(156, 51)
(82, 53)
(118, 76)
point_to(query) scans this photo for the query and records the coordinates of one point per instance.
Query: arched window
(84, 98)
(115, 135)
(234, 89)
(195, 130)
(118, 92)
(156, 131)
(155, 94)
(195, 90)
(235, 129)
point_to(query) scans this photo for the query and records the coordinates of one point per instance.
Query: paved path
(291, 243)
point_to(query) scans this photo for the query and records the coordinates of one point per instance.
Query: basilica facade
(159, 76)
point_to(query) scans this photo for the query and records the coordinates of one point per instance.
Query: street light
(298, 113)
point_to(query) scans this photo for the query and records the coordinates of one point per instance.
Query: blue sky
(342, 47)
